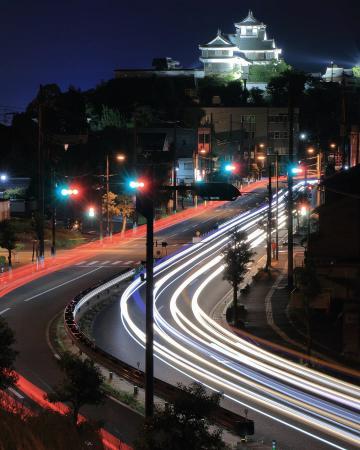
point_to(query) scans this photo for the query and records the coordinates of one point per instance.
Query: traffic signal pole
(269, 218)
(290, 205)
(149, 319)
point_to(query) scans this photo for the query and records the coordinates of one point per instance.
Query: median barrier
(81, 303)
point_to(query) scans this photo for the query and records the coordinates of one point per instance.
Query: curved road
(30, 308)
(297, 406)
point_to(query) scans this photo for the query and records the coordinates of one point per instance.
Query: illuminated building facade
(229, 53)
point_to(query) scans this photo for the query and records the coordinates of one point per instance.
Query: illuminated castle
(229, 53)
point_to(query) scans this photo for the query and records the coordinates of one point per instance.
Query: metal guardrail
(227, 419)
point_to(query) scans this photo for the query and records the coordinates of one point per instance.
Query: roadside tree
(309, 286)
(82, 384)
(8, 238)
(7, 356)
(184, 423)
(237, 256)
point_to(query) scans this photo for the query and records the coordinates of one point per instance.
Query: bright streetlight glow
(332, 145)
(120, 157)
(3, 177)
(302, 136)
(310, 150)
(91, 212)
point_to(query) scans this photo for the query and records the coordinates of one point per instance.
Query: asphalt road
(30, 308)
(298, 407)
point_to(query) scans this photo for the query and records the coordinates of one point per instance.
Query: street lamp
(302, 136)
(120, 157)
(3, 177)
(333, 145)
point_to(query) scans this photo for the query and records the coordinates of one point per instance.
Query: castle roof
(249, 20)
(219, 41)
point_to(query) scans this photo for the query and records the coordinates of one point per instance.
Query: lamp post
(120, 157)
(268, 244)
(277, 205)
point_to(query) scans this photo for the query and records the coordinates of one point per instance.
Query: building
(335, 250)
(246, 133)
(231, 53)
(346, 77)
(161, 67)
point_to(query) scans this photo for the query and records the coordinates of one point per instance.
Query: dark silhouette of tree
(237, 256)
(82, 384)
(8, 238)
(184, 423)
(309, 286)
(286, 87)
(8, 376)
(256, 97)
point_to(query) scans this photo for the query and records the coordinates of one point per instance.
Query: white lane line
(4, 311)
(62, 284)
(16, 393)
(128, 262)
(104, 262)
(80, 263)
(116, 262)
(92, 263)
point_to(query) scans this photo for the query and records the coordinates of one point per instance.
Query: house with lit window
(229, 53)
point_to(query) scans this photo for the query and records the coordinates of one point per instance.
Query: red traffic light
(69, 191)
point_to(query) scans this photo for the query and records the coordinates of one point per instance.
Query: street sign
(216, 191)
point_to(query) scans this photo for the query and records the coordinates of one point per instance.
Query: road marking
(62, 284)
(79, 263)
(116, 262)
(104, 262)
(4, 311)
(13, 391)
(92, 263)
(128, 262)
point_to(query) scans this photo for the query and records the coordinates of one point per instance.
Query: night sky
(80, 42)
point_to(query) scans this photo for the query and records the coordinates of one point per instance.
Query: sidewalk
(268, 322)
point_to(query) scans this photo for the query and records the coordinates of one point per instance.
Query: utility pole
(107, 197)
(290, 204)
(149, 350)
(41, 199)
(53, 213)
(174, 171)
(277, 205)
(269, 218)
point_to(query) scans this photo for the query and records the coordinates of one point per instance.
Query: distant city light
(302, 136)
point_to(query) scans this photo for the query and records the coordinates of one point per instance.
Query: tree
(287, 86)
(82, 384)
(256, 97)
(110, 203)
(185, 423)
(7, 238)
(8, 376)
(237, 256)
(262, 73)
(309, 286)
(126, 207)
(356, 71)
